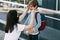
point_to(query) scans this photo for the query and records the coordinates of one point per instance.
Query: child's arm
(30, 26)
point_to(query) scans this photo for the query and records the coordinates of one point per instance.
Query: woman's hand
(33, 12)
(28, 7)
(31, 31)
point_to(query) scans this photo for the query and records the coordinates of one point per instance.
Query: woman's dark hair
(34, 3)
(12, 20)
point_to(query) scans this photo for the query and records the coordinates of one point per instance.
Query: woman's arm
(30, 26)
(23, 15)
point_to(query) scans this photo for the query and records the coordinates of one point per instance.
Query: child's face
(32, 7)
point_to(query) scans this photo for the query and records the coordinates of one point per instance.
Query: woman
(13, 29)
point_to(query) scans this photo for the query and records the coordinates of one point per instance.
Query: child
(13, 29)
(33, 33)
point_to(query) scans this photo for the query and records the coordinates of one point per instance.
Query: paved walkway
(47, 34)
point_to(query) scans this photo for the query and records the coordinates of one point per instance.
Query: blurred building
(58, 4)
(54, 5)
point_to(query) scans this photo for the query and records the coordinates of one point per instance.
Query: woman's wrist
(33, 12)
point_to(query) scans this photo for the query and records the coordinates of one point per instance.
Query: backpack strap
(36, 17)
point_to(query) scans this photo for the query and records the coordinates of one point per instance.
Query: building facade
(49, 4)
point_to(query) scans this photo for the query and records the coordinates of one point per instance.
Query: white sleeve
(20, 27)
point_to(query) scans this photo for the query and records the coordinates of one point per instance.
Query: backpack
(43, 21)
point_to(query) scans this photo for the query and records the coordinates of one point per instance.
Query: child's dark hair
(12, 20)
(33, 3)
